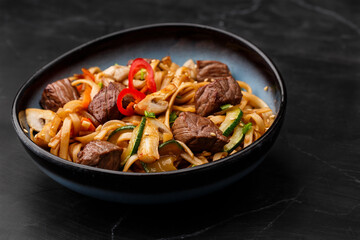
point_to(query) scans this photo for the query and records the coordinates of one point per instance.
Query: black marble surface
(307, 188)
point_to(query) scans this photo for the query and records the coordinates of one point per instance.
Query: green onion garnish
(172, 117)
(149, 114)
(142, 72)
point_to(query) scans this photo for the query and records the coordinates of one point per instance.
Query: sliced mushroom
(165, 133)
(37, 118)
(117, 72)
(138, 84)
(49, 131)
(101, 77)
(155, 102)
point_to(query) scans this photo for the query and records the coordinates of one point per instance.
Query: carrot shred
(130, 105)
(87, 97)
(91, 126)
(79, 87)
(144, 89)
(88, 74)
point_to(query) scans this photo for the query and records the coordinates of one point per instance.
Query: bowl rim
(59, 161)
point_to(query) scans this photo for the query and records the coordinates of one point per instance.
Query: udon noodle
(66, 133)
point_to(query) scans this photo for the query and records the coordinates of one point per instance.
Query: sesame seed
(272, 117)
(266, 88)
(213, 134)
(206, 79)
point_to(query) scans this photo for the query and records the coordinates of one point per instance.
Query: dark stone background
(307, 188)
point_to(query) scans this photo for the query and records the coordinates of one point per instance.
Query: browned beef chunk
(198, 133)
(210, 97)
(146, 59)
(100, 154)
(103, 107)
(208, 69)
(57, 94)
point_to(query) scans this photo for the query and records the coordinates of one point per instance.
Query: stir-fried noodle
(141, 136)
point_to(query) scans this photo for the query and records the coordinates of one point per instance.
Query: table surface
(307, 188)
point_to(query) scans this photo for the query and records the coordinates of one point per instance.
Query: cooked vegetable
(48, 132)
(127, 127)
(237, 138)
(247, 127)
(88, 74)
(149, 114)
(156, 102)
(87, 125)
(171, 147)
(226, 106)
(37, 118)
(87, 96)
(129, 109)
(144, 165)
(172, 117)
(134, 142)
(94, 87)
(232, 119)
(165, 132)
(117, 72)
(142, 73)
(137, 65)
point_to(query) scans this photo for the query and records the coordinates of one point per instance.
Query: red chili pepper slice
(138, 64)
(138, 96)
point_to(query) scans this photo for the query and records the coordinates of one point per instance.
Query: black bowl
(181, 42)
